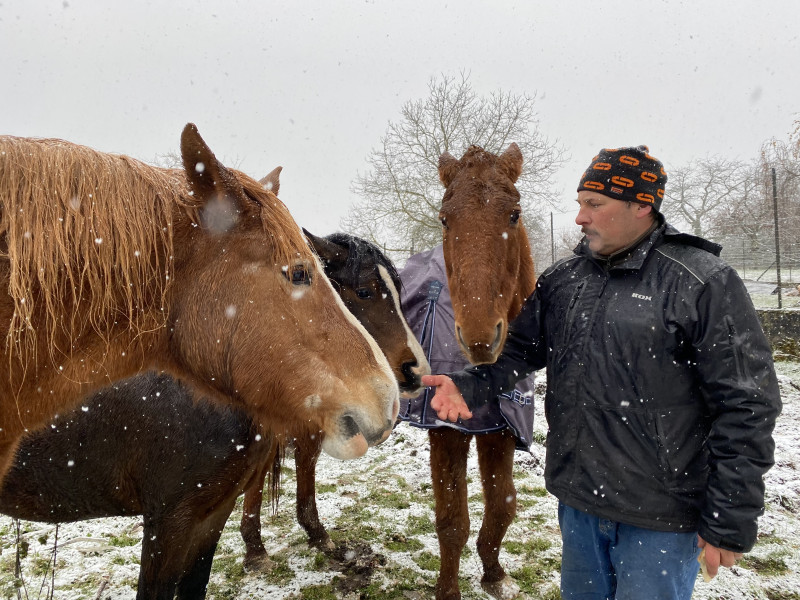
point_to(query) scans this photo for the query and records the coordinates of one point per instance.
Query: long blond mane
(77, 227)
(288, 242)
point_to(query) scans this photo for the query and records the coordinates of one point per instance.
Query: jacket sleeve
(523, 353)
(734, 363)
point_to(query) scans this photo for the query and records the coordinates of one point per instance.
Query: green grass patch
(773, 594)
(317, 592)
(400, 543)
(770, 565)
(281, 573)
(528, 490)
(420, 525)
(383, 498)
(427, 561)
(229, 566)
(123, 540)
(529, 548)
(400, 580)
(533, 575)
(40, 565)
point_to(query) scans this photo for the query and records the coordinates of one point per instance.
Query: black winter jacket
(661, 391)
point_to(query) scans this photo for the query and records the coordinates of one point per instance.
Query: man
(661, 393)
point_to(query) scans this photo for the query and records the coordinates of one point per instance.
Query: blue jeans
(608, 560)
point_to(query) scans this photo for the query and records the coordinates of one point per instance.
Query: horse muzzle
(352, 435)
(482, 351)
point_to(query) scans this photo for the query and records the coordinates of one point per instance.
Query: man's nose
(581, 219)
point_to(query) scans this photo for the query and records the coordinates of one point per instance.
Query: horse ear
(271, 181)
(207, 176)
(510, 162)
(325, 249)
(448, 167)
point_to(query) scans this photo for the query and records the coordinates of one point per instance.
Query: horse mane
(87, 227)
(359, 250)
(96, 230)
(288, 242)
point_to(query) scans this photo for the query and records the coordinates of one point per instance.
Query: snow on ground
(381, 508)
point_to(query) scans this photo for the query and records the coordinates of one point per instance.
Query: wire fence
(753, 258)
(756, 260)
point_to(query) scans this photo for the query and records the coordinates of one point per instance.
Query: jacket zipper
(737, 351)
(570, 315)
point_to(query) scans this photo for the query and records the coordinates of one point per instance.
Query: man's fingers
(434, 380)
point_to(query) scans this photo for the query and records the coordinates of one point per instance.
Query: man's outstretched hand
(447, 401)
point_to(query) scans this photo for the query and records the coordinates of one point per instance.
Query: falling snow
(86, 555)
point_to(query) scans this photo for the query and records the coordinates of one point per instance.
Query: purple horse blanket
(426, 304)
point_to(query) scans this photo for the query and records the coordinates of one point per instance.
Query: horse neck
(526, 278)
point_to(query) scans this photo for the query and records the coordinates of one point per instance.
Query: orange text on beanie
(626, 174)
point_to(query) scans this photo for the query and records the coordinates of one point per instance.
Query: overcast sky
(311, 84)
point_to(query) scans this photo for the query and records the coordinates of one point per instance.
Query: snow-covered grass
(381, 508)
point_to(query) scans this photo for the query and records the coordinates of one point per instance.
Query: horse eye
(364, 293)
(514, 216)
(300, 275)
(443, 221)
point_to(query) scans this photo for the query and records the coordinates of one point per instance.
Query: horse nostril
(349, 426)
(407, 369)
(460, 337)
(498, 335)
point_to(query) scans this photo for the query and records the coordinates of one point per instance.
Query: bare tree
(698, 192)
(401, 193)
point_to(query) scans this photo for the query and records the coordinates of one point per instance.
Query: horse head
(486, 249)
(255, 315)
(370, 288)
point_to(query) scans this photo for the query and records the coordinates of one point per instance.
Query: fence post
(777, 235)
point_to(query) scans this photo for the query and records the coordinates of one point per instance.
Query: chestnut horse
(370, 287)
(489, 273)
(182, 463)
(112, 267)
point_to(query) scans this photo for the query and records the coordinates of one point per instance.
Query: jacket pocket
(681, 449)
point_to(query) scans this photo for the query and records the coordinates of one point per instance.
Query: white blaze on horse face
(422, 368)
(392, 392)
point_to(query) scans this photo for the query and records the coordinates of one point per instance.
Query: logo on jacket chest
(641, 297)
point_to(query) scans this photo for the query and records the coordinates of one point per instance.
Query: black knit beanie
(629, 174)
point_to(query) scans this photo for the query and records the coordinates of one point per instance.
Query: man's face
(609, 224)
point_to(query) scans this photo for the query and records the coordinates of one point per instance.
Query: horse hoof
(260, 563)
(324, 545)
(505, 589)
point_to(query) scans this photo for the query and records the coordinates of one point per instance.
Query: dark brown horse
(146, 446)
(370, 287)
(113, 267)
(489, 273)
(149, 446)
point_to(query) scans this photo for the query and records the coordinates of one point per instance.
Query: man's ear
(642, 210)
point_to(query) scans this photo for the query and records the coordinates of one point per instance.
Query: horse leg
(449, 450)
(255, 555)
(307, 449)
(8, 450)
(161, 562)
(194, 581)
(496, 461)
